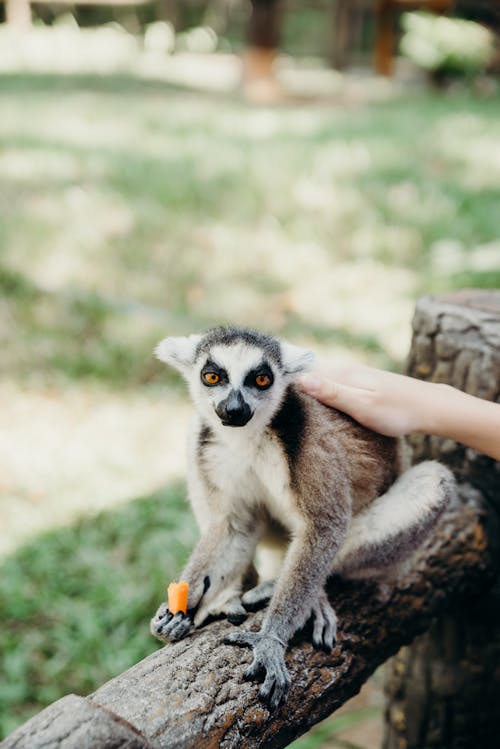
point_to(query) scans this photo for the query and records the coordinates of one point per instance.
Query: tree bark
(444, 690)
(191, 694)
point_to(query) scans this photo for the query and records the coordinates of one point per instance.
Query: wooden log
(75, 723)
(443, 691)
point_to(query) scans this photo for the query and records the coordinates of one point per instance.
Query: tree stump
(444, 690)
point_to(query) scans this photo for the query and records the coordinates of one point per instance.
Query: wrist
(436, 409)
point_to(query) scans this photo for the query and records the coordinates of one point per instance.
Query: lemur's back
(315, 437)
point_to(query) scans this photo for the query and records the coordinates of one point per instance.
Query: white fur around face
(237, 360)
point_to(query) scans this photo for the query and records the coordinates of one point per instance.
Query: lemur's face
(237, 377)
(236, 382)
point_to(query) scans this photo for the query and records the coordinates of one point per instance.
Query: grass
(133, 209)
(326, 731)
(75, 603)
(130, 209)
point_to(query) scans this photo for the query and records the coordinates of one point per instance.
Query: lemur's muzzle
(234, 411)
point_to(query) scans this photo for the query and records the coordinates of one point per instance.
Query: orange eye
(211, 378)
(262, 380)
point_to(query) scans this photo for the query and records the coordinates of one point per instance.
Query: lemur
(273, 471)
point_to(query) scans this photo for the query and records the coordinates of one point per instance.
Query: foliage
(446, 45)
(75, 603)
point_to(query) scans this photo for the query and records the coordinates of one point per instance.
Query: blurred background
(307, 167)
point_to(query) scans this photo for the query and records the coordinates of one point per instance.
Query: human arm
(395, 405)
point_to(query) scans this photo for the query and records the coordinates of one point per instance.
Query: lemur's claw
(269, 660)
(167, 627)
(325, 624)
(179, 626)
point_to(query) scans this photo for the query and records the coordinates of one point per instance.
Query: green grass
(75, 604)
(327, 730)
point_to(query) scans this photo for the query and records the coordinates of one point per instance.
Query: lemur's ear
(179, 352)
(295, 358)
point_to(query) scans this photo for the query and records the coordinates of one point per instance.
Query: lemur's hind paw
(325, 623)
(257, 597)
(235, 612)
(167, 627)
(268, 665)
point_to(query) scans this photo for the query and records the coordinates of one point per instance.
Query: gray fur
(226, 336)
(302, 486)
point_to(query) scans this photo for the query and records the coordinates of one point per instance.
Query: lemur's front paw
(268, 662)
(325, 623)
(169, 628)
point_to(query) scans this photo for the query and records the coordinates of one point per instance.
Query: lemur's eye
(211, 378)
(263, 380)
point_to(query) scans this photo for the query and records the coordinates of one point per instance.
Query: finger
(162, 612)
(158, 625)
(254, 671)
(179, 626)
(319, 624)
(267, 687)
(239, 638)
(278, 696)
(329, 392)
(275, 689)
(329, 637)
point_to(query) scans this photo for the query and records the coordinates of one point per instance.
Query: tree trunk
(383, 58)
(263, 38)
(18, 13)
(264, 25)
(444, 690)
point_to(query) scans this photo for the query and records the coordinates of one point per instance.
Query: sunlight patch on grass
(29, 164)
(472, 147)
(72, 453)
(353, 298)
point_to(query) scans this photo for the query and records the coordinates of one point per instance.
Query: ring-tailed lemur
(273, 470)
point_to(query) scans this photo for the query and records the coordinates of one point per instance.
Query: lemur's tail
(385, 533)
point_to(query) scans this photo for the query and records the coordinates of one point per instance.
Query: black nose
(234, 411)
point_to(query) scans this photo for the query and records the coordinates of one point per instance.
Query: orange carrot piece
(178, 597)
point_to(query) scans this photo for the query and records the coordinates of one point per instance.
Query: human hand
(394, 405)
(389, 403)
